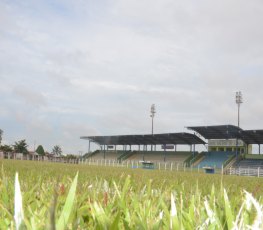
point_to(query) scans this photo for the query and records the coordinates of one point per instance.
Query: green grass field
(121, 198)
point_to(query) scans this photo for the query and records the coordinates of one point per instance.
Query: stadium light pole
(239, 101)
(153, 111)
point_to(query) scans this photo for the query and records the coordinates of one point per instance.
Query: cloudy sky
(71, 68)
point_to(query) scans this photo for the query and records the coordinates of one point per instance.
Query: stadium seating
(214, 159)
(154, 156)
(249, 163)
(109, 155)
(158, 156)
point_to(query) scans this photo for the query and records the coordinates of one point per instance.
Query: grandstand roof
(251, 136)
(156, 139)
(217, 131)
(229, 132)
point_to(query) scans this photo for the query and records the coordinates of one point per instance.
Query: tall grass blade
(258, 222)
(19, 215)
(64, 217)
(228, 211)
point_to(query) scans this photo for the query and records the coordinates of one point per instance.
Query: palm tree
(6, 148)
(21, 147)
(57, 151)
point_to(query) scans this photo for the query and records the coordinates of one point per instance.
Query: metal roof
(251, 136)
(156, 139)
(217, 131)
(229, 132)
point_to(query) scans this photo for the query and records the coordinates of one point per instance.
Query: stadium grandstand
(227, 146)
(146, 147)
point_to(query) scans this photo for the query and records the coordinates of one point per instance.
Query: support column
(143, 152)
(89, 146)
(164, 153)
(246, 148)
(259, 149)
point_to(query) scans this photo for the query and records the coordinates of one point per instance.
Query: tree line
(22, 147)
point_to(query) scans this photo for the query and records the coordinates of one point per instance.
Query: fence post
(184, 167)
(171, 166)
(177, 167)
(258, 172)
(159, 166)
(222, 171)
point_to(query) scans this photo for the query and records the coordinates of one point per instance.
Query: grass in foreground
(115, 198)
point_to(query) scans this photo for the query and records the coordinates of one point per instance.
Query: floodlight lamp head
(239, 98)
(153, 111)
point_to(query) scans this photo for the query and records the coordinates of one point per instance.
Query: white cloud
(70, 64)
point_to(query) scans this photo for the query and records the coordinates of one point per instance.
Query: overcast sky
(71, 68)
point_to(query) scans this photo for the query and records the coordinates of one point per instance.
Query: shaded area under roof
(156, 139)
(217, 131)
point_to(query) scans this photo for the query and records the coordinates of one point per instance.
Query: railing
(125, 155)
(189, 158)
(228, 160)
(91, 154)
(28, 157)
(196, 158)
(171, 166)
(257, 172)
(167, 166)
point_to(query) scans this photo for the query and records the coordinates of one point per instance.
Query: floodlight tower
(239, 101)
(153, 111)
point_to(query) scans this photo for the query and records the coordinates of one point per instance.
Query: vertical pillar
(259, 149)
(143, 152)
(164, 153)
(236, 147)
(89, 146)
(104, 151)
